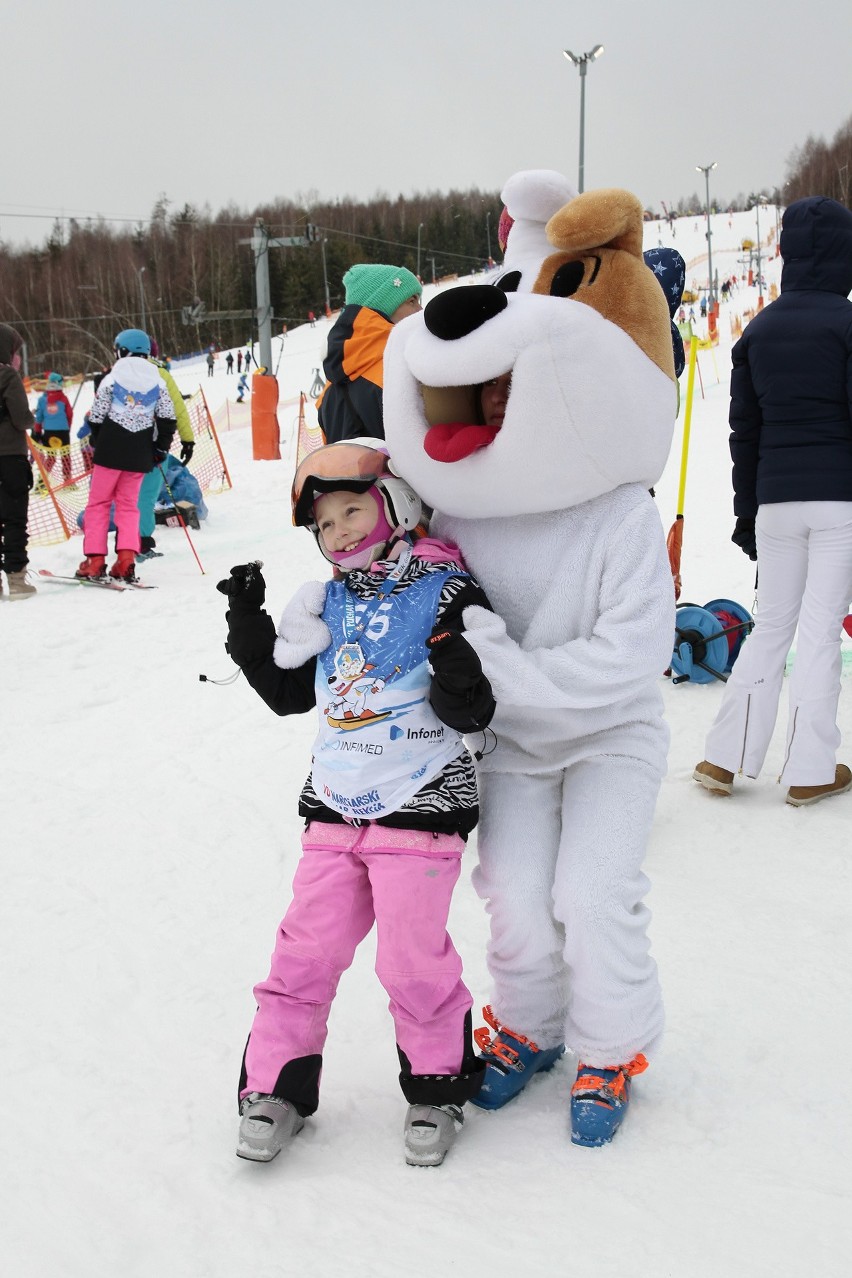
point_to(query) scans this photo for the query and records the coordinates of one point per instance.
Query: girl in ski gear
(388, 804)
(131, 413)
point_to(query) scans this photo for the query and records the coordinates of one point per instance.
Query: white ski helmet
(355, 465)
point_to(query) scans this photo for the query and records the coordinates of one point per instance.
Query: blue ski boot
(599, 1100)
(511, 1060)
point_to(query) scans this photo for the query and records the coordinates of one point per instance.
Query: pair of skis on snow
(98, 583)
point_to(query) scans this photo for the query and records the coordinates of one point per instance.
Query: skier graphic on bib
(351, 687)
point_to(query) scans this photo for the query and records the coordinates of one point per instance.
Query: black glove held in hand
(187, 448)
(245, 588)
(744, 537)
(454, 662)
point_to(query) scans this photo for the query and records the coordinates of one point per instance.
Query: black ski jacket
(791, 384)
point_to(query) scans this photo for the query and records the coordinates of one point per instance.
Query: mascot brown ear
(609, 218)
(597, 260)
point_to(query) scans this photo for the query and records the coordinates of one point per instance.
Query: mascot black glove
(245, 588)
(744, 537)
(187, 448)
(454, 662)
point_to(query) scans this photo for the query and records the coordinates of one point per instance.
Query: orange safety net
(62, 475)
(310, 436)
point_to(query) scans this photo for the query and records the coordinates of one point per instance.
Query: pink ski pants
(108, 486)
(349, 877)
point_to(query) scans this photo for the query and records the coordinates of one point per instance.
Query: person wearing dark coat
(791, 446)
(16, 476)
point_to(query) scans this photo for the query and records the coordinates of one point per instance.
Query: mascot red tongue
(451, 441)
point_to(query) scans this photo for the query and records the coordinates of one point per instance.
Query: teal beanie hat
(55, 379)
(382, 288)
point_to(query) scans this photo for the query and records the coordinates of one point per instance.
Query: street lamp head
(580, 59)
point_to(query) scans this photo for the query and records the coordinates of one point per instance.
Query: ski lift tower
(261, 242)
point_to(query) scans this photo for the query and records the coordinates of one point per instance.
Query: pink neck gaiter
(372, 545)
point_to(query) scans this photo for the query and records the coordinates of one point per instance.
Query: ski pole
(181, 520)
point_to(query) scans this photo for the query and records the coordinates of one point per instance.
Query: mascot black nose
(459, 311)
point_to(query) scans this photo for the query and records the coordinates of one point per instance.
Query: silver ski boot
(430, 1130)
(266, 1125)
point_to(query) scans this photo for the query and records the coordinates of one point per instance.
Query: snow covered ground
(149, 836)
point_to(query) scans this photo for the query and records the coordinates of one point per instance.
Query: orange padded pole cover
(264, 418)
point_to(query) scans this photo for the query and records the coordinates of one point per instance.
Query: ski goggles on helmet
(347, 465)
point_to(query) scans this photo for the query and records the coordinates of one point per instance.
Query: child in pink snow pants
(132, 422)
(388, 804)
(348, 877)
(108, 486)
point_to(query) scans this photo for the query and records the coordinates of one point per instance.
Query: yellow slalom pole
(687, 421)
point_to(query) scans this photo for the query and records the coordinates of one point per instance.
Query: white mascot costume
(552, 513)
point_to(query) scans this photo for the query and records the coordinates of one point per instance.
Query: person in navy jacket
(791, 445)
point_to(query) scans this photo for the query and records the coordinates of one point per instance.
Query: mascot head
(592, 398)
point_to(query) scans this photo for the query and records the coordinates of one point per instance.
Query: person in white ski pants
(804, 550)
(791, 448)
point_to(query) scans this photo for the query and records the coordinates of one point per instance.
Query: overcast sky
(108, 106)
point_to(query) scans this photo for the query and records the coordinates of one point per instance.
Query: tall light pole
(707, 169)
(140, 273)
(582, 61)
(419, 229)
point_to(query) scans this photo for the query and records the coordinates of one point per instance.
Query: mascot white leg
(519, 841)
(614, 1007)
(569, 953)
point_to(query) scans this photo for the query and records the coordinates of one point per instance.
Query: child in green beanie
(377, 297)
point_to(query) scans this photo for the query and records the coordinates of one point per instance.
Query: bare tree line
(92, 278)
(187, 275)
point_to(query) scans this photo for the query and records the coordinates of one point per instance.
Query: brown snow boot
(19, 587)
(716, 780)
(802, 795)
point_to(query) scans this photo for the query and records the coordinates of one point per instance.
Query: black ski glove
(460, 694)
(187, 448)
(245, 588)
(455, 664)
(744, 537)
(159, 456)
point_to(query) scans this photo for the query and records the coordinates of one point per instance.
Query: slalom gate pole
(181, 519)
(687, 424)
(674, 540)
